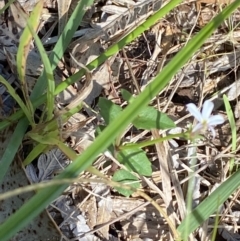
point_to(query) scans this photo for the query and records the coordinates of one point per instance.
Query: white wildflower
(204, 118)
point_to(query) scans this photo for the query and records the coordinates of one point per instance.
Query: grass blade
(48, 73)
(22, 53)
(35, 152)
(233, 128)
(62, 44)
(211, 203)
(13, 93)
(6, 6)
(101, 59)
(58, 51)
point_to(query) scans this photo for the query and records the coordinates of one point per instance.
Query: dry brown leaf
(104, 215)
(89, 208)
(63, 6)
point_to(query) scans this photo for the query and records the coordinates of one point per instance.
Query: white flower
(204, 118)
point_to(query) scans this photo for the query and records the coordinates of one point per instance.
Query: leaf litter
(98, 210)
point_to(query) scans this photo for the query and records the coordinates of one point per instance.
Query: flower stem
(152, 142)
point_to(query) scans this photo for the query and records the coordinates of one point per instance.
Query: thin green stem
(153, 142)
(191, 186)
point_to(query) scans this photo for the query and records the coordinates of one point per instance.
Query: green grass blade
(47, 65)
(123, 42)
(36, 151)
(62, 44)
(36, 204)
(215, 229)
(55, 56)
(13, 146)
(103, 57)
(6, 6)
(13, 93)
(22, 54)
(211, 203)
(233, 129)
(19, 114)
(46, 129)
(190, 189)
(58, 51)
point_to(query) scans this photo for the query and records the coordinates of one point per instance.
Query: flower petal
(194, 111)
(207, 109)
(215, 120)
(213, 131)
(197, 127)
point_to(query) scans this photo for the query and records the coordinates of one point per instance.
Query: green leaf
(99, 130)
(136, 160)
(108, 110)
(125, 177)
(150, 118)
(127, 95)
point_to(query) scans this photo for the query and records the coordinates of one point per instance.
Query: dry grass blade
(163, 157)
(63, 6)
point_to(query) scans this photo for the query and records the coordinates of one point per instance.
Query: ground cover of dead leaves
(97, 209)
